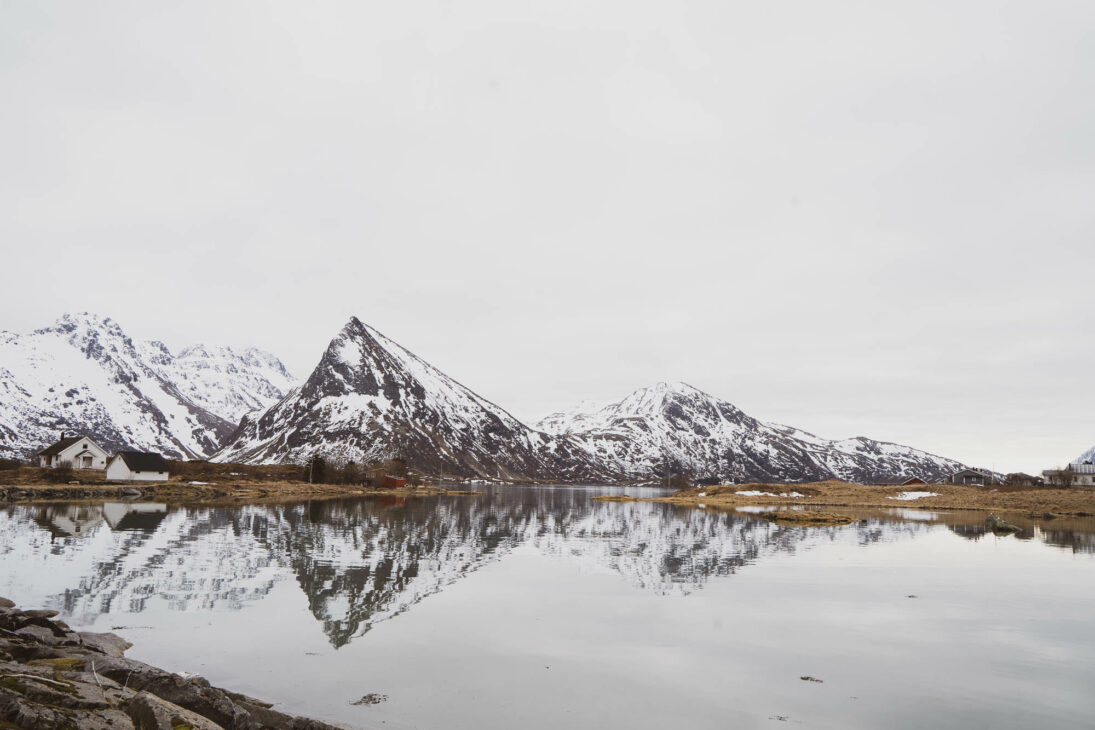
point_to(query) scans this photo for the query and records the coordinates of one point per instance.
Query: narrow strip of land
(1043, 501)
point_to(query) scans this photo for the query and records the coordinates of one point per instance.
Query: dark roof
(59, 446)
(142, 460)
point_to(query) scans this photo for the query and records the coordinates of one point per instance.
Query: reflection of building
(70, 520)
(78, 520)
(77, 451)
(140, 516)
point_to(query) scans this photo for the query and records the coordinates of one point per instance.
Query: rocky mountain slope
(698, 434)
(370, 399)
(85, 374)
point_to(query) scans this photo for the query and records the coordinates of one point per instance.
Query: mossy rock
(60, 664)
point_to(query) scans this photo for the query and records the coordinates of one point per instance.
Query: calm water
(538, 608)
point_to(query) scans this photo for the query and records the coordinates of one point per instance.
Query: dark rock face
(53, 677)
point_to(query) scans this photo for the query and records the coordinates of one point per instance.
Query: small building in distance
(137, 466)
(1019, 479)
(78, 451)
(973, 477)
(1075, 475)
(380, 478)
(905, 481)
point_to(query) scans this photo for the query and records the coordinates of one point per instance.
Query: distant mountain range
(369, 398)
(704, 436)
(85, 374)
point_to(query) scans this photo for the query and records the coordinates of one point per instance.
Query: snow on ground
(910, 496)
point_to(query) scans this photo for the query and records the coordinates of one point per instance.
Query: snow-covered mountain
(703, 436)
(230, 383)
(371, 399)
(1087, 456)
(84, 374)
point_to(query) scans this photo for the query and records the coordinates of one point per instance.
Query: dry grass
(197, 482)
(807, 518)
(1076, 501)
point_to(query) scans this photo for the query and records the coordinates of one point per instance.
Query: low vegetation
(1049, 501)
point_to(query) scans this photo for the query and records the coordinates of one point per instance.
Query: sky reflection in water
(541, 608)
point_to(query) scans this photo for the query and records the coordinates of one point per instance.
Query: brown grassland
(195, 482)
(1033, 501)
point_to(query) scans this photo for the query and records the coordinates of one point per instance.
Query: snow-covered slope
(230, 383)
(706, 437)
(84, 374)
(1087, 456)
(371, 399)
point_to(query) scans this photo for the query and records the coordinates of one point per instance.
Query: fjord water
(540, 608)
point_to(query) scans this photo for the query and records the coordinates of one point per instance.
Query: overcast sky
(859, 218)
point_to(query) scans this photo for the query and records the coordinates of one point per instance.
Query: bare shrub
(59, 474)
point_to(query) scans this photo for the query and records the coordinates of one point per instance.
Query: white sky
(868, 218)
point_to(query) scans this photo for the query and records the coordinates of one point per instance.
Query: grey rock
(22, 712)
(7, 603)
(86, 694)
(39, 633)
(999, 526)
(106, 643)
(41, 613)
(149, 712)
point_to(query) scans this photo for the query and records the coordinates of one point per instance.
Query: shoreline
(180, 492)
(52, 676)
(1040, 502)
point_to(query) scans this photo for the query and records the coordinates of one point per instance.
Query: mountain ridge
(369, 399)
(677, 425)
(84, 373)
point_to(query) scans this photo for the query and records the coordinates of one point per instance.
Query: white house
(136, 466)
(78, 451)
(1076, 475)
(138, 516)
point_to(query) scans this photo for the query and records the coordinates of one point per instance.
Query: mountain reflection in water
(361, 561)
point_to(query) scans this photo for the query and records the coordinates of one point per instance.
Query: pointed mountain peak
(84, 323)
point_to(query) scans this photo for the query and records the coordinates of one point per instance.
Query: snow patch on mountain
(222, 380)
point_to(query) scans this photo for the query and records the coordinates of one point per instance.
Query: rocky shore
(54, 677)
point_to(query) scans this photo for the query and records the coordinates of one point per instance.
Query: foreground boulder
(999, 526)
(53, 677)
